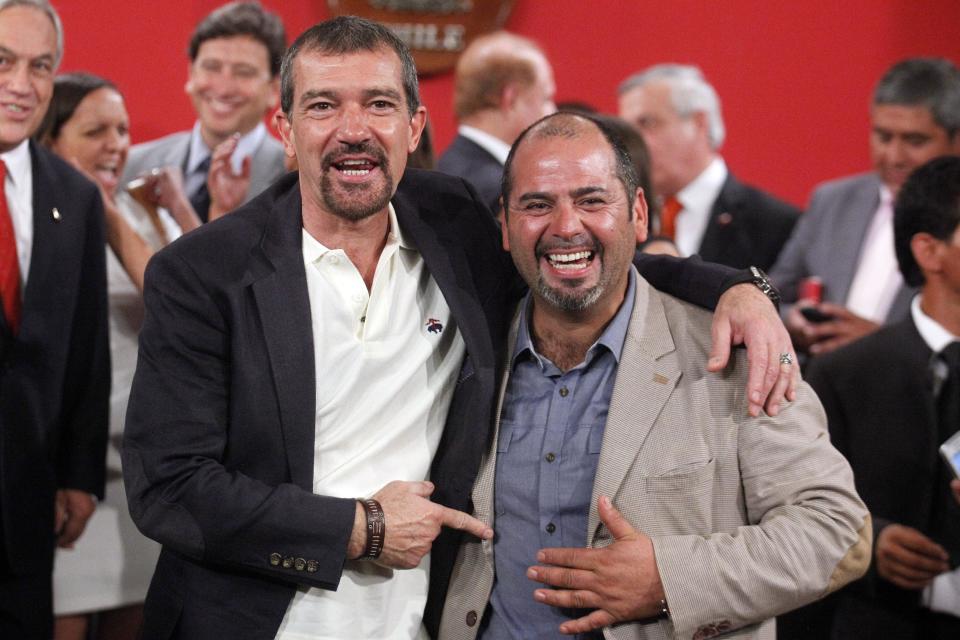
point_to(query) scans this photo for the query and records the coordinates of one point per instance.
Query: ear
(927, 251)
(508, 96)
(641, 216)
(274, 98)
(502, 217)
(188, 85)
(417, 123)
(285, 128)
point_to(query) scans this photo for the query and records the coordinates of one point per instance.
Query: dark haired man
(334, 338)
(889, 399)
(234, 63)
(699, 518)
(846, 236)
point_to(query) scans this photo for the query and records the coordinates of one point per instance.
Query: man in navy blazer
(278, 456)
(503, 83)
(54, 358)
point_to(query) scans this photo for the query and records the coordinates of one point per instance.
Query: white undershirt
(18, 188)
(386, 365)
(877, 279)
(697, 199)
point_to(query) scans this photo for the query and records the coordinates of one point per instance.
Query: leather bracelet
(376, 529)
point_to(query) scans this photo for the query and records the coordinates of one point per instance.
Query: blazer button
(471, 618)
(312, 566)
(299, 564)
(287, 563)
(275, 559)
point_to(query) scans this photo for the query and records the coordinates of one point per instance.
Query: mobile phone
(950, 450)
(812, 314)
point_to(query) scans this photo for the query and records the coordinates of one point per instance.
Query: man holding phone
(892, 399)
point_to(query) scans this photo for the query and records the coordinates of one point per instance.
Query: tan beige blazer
(750, 517)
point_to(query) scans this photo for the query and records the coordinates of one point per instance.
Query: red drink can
(811, 290)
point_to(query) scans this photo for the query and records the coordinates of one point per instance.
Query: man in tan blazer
(718, 521)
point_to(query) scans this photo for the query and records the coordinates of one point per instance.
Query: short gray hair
(927, 82)
(689, 91)
(50, 12)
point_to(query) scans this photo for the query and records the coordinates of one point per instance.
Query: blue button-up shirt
(551, 432)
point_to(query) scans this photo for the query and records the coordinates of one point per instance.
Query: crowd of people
(310, 387)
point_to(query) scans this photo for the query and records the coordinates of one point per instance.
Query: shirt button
(551, 528)
(358, 297)
(471, 618)
(334, 259)
(563, 392)
(550, 457)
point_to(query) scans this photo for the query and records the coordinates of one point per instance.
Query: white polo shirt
(386, 363)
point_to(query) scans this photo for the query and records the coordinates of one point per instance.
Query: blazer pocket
(684, 479)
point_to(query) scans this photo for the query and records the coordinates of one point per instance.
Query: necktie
(668, 217)
(9, 266)
(201, 199)
(945, 523)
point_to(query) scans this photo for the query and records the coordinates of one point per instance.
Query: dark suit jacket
(879, 401)
(747, 227)
(55, 374)
(466, 159)
(218, 449)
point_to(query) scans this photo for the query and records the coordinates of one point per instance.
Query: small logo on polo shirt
(434, 325)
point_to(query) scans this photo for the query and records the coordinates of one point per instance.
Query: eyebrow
(312, 94)
(14, 54)
(583, 191)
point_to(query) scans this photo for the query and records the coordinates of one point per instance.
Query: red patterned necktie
(9, 265)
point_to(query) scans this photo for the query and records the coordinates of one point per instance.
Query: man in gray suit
(846, 236)
(233, 82)
(622, 477)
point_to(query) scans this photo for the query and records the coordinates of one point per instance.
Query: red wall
(794, 77)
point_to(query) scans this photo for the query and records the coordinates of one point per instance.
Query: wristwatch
(760, 279)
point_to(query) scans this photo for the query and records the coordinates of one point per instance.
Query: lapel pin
(660, 379)
(725, 218)
(55, 214)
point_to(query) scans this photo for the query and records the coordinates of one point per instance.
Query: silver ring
(786, 358)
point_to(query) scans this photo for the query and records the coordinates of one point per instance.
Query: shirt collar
(313, 249)
(702, 191)
(491, 144)
(932, 332)
(612, 338)
(17, 161)
(247, 146)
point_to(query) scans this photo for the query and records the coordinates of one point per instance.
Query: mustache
(583, 240)
(355, 148)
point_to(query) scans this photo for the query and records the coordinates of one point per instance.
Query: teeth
(569, 257)
(355, 172)
(353, 162)
(15, 107)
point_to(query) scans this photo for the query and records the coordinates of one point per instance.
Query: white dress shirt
(199, 151)
(386, 363)
(877, 279)
(492, 144)
(18, 188)
(697, 199)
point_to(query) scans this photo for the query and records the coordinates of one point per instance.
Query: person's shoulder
(836, 186)
(883, 350)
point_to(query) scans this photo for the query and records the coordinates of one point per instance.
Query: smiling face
(28, 45)
(231, 86)
(350, 130)
(97, 136)
(903, 137)
(569, 228)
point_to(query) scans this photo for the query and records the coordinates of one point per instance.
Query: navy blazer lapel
(724, 221)
(279, 285)
(449, 266)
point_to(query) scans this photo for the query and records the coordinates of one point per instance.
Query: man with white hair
(705, 210)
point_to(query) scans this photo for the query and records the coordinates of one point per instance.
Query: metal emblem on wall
(435, 30)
